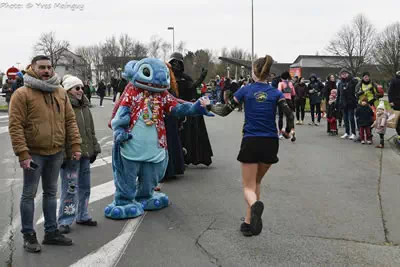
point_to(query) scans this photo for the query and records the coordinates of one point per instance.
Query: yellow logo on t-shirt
(261, 96)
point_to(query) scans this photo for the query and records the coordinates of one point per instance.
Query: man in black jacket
(394, 97)
(347, 101)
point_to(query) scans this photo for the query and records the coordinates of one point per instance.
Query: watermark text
(42, 6)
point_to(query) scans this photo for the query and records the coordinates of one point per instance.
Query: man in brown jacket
(41, 118)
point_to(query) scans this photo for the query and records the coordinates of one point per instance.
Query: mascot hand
(200, 106)
(121, 136)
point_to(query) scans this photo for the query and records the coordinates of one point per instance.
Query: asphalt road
(328, 201)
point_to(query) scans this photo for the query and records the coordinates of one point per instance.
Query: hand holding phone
(33, 165)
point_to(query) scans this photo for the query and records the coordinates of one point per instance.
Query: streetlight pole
(252, 30)
(173, 37)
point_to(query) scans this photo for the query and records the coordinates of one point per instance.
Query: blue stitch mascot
(140, 155)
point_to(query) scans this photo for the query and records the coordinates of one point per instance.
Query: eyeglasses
(78, 88)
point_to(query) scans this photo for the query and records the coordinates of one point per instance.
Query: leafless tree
(166, 48)
(239, 53)
(139, 50)
(181, 47)
(355, 43)
(126, 44)
(51, 47)
(155, 46)
(387, 53)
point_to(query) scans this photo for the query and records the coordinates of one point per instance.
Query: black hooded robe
(194, 136)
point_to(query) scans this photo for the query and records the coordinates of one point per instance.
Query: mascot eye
(146, 72)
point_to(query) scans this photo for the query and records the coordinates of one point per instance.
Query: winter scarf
(31, 80)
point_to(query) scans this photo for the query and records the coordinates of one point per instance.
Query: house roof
(276, 67)
(70, 58)
(316, 61)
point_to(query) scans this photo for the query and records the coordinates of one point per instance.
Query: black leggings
(280, 112)
(382, 137)
(300, 109)
(101, 100)
(315, 108)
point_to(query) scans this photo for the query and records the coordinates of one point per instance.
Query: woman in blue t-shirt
(260, 142)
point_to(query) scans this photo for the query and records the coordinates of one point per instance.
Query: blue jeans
(349, 120)
(75, 191)
(48, 169)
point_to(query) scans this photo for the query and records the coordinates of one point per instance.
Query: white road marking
(96, 193)
(104, 139)
(4, 117)
(3, 129)
(111, 253)
(3, 121)
(101, 189)
(109, 143)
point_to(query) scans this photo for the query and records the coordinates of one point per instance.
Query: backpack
(287, 89)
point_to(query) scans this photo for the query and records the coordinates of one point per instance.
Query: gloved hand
(93, 158)
(121, 136)
(202, 110)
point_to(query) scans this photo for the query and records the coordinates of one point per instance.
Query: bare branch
(387, 53)
(48, 45)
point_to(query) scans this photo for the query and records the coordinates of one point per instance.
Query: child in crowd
(332, 113)
(365, 115)
(380, 123)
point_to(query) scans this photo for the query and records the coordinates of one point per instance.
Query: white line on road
(3, 117)
(101, 189)
(104, 139)
(110, 254)
(96, 193)
(3, 121)
(3, 129)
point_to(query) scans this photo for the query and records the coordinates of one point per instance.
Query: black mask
(177, 66)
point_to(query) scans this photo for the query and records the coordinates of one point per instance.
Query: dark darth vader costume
(193, 134)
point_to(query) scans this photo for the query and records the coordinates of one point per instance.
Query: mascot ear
(129, 70)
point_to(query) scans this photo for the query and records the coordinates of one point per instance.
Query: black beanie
(366, 73)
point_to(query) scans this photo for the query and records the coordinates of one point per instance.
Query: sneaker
(102, 106)
(255, 221)
(380, 146)
(311, 124)
(352, 137)
(245, 229)
(345, 136)
(369, 142)
(31, 244)
(316, 124)
(64, 229)
(280, 136)
(293, 136)
(301, 122)
(363, 142)
(297, 122)
(56, 238)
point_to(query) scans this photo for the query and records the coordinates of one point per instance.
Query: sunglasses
(78, 88)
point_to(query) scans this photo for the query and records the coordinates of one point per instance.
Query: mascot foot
(156, 202)
(129, 211)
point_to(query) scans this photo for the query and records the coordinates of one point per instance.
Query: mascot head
(148, 74)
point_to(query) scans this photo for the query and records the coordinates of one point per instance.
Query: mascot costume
(140, 155)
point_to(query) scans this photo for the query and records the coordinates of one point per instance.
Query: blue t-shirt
(260, 102)
(144, 144)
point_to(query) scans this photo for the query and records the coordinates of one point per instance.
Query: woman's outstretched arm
(225, 109)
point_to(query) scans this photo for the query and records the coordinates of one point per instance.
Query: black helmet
(176, 56)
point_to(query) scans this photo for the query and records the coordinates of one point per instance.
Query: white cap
(70, 82)
(381, 105)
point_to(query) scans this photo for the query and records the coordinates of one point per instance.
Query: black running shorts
(259, 150)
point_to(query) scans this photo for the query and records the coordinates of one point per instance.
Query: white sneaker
(280, 136)
(352, 137)
(297, 122)
(102, 106)
(301, 122)
(345, 136)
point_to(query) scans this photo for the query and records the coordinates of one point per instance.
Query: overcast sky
(283, 29)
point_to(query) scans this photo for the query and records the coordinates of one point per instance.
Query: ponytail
(262, 67)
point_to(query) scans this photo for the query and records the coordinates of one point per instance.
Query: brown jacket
(40, 122)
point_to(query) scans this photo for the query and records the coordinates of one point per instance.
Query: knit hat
(366, 73)
(381, 105)
(20, 74)
(69, 82)
(344, 70)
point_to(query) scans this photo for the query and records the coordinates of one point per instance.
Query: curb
(105, 98)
